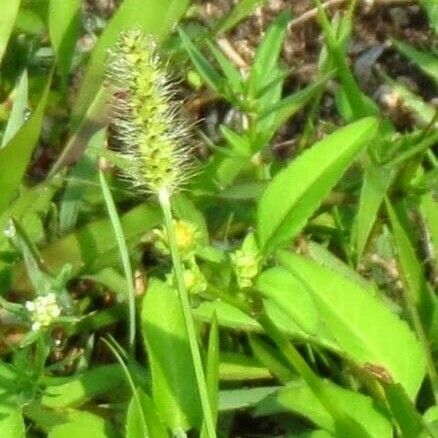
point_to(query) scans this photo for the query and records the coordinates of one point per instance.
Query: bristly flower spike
(155, 139)
(153, 133)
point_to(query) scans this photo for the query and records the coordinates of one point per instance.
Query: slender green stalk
(124, 255)
(164, 199)
(109, 344)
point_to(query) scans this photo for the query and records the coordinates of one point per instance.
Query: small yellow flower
(187, 239)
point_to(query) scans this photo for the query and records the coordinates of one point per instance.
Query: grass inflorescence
(154, 135)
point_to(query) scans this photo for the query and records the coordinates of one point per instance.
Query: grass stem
(164, 199)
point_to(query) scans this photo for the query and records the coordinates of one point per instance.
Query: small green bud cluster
(194, 279)
(188, 237)
(43, 310)
(153, 133)
(246, 262)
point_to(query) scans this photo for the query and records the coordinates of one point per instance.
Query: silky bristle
(147, 119)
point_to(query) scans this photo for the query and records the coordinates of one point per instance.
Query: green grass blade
(7, 20)
(424, 60)
(124, 255)
(64, 27)
(421, 305)
(211, 77)
(357, 99)
(15, 156)
(212, 371)
(376, 182)
(19, 108)
(267, 54)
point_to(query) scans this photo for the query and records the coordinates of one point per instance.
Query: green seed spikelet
(154, 135)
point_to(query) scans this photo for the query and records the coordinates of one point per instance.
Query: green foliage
(311, 178)
(173, 380)
(290, 290)
(364, 327)
(296, 397)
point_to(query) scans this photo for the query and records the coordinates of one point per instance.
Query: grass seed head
(154, 135)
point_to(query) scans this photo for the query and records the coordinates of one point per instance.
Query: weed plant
(159, 279)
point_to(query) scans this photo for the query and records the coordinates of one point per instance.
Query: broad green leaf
(11, 418)
(296, 192)
(366, 331)
(7, 19)
(30, 21)
(84, 387)
(424, 60)
(376, 182)
(19, 108)
(174, 388)
(15, 156)
(291, 296)
(64, 26)
(154, 18)
(430, 417)
(298, 398)
(321, 255)
(135, 419)
(227, 315)
(83, 424)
